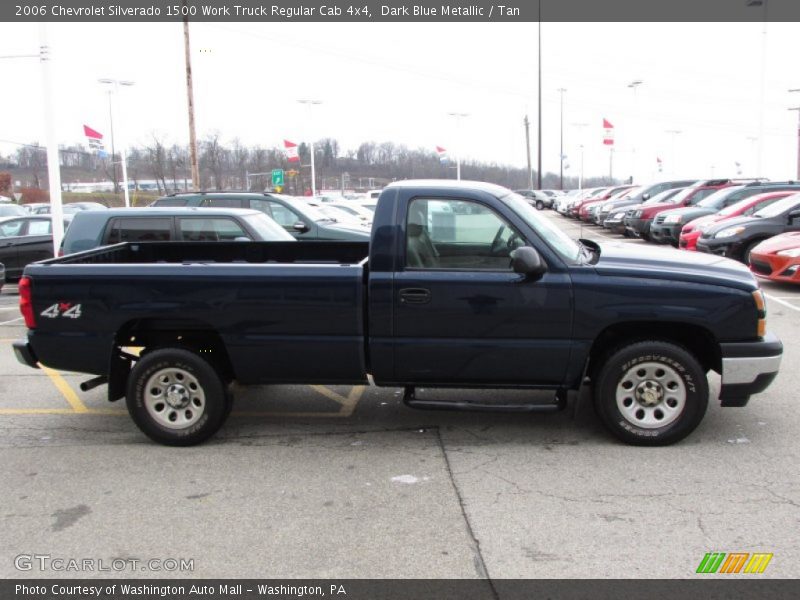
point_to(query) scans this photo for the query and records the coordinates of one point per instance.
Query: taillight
(26, 303)
(761, 312)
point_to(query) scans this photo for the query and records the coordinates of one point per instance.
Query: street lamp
(580, 137)
(674, 133)
(458, 116)
(561, 150)
(311, 103)
(114, 89)
(634, 85)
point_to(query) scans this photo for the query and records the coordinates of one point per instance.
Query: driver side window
(458, 234)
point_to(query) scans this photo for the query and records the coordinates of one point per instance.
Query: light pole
(311, 103)
(561, 150)
(634, 85)
(539, 91)
(674, 133)
(115, 84)
(580, 126)
(797, 108)
(458, 116)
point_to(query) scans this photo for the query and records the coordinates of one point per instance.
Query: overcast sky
(397, 82)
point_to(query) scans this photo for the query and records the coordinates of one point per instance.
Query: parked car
(24, 240)
(736, 237)
(298, 217)
(71, 208)
(593, 202)
(691, 231)
(2, 276)
(409, 308)
(643, 195)
(37, 208)
(538, 198)
(12, 210)
(343, 217)
(778, 258)
(595, 210)
(667, 226)
(615, 221)
(639, 219)
(357, 210)
(93, 228)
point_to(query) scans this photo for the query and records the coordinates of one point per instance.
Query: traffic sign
(277, 177)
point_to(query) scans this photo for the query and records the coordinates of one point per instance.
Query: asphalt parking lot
(314, 481)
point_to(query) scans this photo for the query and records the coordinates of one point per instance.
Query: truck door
(462, 316)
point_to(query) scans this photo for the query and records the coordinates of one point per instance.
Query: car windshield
(560, 241)
(717, 199)
(778, 208)
(267, 229)
(664, 196)
(679, 196)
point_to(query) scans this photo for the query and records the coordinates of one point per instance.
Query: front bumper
(638, 227)
(665, 233)
(24, 353)
(748, 368)
(723, 247)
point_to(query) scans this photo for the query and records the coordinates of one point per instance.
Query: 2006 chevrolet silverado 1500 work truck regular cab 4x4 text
(462, 285)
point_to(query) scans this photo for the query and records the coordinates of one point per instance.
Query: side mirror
(527, 261)
(300, 226)
(795, 214)
(645, 196)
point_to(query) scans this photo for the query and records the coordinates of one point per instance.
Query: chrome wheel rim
(174, 398)
(651, 395)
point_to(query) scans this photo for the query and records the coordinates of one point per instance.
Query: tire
(668, 393)
(539, 205)
(747, 249)
(176, 398)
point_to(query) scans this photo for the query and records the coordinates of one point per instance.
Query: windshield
(678, 197)
(267, 229)
(779, 207)
(664, 196)
(718, 198)
(558, 240)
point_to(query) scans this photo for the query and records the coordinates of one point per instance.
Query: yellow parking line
(348, 405)
(69, 395)
(36, 411)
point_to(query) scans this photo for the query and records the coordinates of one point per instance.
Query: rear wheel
(651, 393)
(176, 398)
(539, 205)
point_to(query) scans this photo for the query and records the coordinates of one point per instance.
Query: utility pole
(114, 89)
(634, 85)
(611, 165)
(580, 127)
(539, 129)
(561, 149)
(797, 108)
(53, 165)
(528, 149)
(113, 151)
(311, 103)
(190, 100)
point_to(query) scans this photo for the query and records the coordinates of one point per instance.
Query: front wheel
(176, 398)
(539, 205)
(651, 393)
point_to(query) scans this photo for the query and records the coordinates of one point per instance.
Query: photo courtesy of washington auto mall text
(399, 299)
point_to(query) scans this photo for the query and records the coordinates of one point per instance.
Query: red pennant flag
(607, 124)
(608, 136)
(91, 133)
(291, 151)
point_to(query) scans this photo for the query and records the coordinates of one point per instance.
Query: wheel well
(699, 341)
(196, 336)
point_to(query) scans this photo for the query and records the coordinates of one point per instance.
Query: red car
(577, 209)
(778, 258)
(694, 229)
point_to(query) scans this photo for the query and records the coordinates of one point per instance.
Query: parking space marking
(783, 302)
(11, 321)
(62, 386)
(347, 404)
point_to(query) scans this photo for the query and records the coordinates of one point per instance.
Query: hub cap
(174, 399)
(651, 395)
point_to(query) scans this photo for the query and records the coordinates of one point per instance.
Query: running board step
(410, 400)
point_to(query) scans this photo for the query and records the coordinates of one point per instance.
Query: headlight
(792, 252)
(729, 232)
(619, 215)
(636, 214)
(673, 219)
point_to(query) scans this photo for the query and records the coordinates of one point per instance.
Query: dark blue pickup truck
(462, 285)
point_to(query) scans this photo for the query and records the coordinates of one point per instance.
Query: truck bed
(285, 312)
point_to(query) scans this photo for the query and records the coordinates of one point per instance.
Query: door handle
(415, 296)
